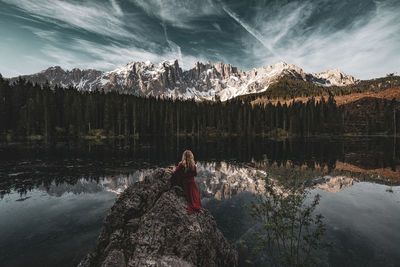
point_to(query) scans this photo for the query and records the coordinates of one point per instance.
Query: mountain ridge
(167, 79)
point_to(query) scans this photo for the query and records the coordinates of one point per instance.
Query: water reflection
(362, 152)
(223, 180)
(113, 183)
(219, 180)
(50, 231)
(215, 180)
(333, 184)
(53, 199)
(362, 221)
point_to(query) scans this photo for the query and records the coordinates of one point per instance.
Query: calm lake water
(53, 198)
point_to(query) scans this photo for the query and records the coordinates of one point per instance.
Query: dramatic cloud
(361, 37)
(86, 54)
(365, 47)
(102, 19)
(179, 13)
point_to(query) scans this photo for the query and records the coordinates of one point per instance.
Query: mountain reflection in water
(215, 180)
(219, 180)
(53, 200)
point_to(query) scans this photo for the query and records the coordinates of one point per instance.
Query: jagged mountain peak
(204, 81)
(335, 77)
(281, 65)
(54, 69)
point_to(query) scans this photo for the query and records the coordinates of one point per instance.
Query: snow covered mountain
(204, 81)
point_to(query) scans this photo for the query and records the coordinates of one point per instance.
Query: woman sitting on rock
(184, 175)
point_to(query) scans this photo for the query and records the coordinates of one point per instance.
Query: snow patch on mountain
(167, 79)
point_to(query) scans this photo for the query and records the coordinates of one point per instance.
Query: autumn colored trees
(33, 110)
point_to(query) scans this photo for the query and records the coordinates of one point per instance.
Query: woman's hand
(168, 170)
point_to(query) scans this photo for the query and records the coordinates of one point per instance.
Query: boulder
(148, 226)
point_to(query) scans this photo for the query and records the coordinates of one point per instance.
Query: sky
(360, 37)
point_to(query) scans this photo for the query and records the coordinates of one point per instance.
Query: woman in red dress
(184, 174)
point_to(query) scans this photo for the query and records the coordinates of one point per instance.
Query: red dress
(190, 188)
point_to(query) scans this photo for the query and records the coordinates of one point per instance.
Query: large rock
(149, 226)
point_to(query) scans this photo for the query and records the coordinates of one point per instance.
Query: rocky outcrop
(204, 81)
(333, 77)
(333, 184)
(148, 226)
(80, 79)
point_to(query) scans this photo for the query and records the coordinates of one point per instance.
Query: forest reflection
(226, 166)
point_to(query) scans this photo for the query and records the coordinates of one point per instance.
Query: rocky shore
(148, 226)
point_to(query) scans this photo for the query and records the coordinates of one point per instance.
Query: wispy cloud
(315, 35)
(257, 35)
(270, 25)
(44, 35)
(216, 26)
(178, 13)
(91, 16)
(105, 57)
(116, 7)
(367, 47)
(175, 49)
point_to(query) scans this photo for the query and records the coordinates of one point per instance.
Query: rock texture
(57, 76)
(333, 184)
(149, 226)
(204, 81)
(333, 77)
(223, 180)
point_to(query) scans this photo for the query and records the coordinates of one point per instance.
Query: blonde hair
(188, 161)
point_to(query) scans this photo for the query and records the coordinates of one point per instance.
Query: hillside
(375, 88)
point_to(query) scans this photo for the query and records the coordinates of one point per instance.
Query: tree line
(28, 109)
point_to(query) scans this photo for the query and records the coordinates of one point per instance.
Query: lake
(54, 197)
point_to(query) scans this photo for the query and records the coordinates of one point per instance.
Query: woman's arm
(176, 169)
